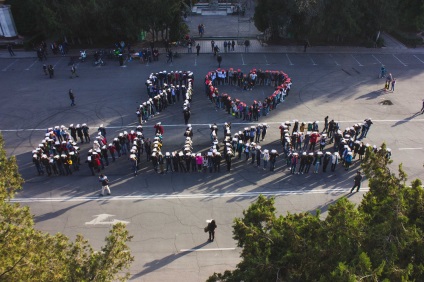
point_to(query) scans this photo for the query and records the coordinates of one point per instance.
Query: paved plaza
(167, 213)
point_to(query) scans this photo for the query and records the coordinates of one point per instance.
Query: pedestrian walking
(198, 49)
(356, 182)
(393, 84)
(74, 71)
(72, 97)
(50, 70)
(189, 50)
(225, 46)
(233, 44)
(170, 55)
(10, 49)
(45, 69)
(305, 45)
(213, 45)
(105, 184)
(211, 229)
(219, 59)
(246, 45)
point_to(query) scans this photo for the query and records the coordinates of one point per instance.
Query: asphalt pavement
(167, 213)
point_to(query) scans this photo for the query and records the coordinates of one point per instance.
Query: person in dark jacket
(357, 182)
(211, 228)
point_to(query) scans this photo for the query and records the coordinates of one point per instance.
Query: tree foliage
(337, 21)
(380, 240)
(96, 20)
(27, 254)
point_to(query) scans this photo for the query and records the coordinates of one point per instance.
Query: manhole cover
(386, 102)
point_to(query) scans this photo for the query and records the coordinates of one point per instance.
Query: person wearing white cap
(253, 152)
(73, 130)
(334, 160)
(348, 160)
(294, 161)
(102, 130)
(85, 129)
(322, 141)
(303, 160)
(105, 185)
(258, 155)
(37, 162)
(265, 158)
(272, 159)
(79, 133)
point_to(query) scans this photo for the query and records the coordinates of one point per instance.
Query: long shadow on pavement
(159, 263)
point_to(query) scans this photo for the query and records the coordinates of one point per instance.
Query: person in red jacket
(314, 137)
(159, 128)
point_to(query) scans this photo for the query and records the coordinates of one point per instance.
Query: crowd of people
(164, 89)
(303, 146)
(237, 108)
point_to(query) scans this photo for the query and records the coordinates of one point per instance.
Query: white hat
(71, 153)
(328, 153)
(273, 151)
(167, 154)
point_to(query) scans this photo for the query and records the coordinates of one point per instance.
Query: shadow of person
(402, 121)
(159, 263)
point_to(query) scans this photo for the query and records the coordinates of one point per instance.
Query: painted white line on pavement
(405, 65)
(419, 59)
(290, 62)
(312, 60)
(57, 62)
(361, 65)
(234, 123)
(32, 64)
(183, 196)
(410, 148)
(206, 250)
(377, 59)
(242, 59)
(11, 64)
(337, 64)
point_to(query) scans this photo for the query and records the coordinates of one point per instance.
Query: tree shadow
(159, 263)
(371, 95)
(402, 121)
(51, 215)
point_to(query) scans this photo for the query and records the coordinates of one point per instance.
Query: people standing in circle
(72, 97)
(211, 228)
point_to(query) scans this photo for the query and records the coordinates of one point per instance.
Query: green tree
(381, 239)
(27, 254)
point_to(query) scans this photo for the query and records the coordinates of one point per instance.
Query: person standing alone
(198, 49)
(211, 228)
(357, 182)
(72, 97)
(105, 184)
(10, 49)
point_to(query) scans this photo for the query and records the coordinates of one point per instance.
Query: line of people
(163, 91)
(305, 147)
